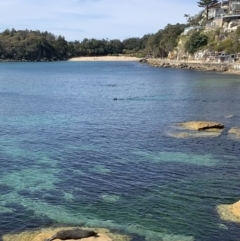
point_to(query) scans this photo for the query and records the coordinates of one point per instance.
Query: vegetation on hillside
(35, 45)
(195, 42)
(215, 41)
(165, 40)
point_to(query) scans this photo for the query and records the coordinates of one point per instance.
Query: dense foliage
(32, 45)
(196, 41)
(159, 44)
(223, 41)
(35, 45)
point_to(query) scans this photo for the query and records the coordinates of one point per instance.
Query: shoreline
(226, 68)
(105, 58)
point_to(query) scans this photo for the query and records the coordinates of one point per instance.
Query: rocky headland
(191, 65)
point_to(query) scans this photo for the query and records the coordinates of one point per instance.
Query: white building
(215, 11)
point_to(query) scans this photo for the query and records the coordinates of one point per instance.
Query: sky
(100, 19)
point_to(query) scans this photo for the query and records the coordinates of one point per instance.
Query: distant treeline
(43, 46)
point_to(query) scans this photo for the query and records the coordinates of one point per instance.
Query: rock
(144, 61)
(229, 116)
(224, 69)
(230, 212)
(235, 131)
(40, 235)
(202, 125)
(185, 135)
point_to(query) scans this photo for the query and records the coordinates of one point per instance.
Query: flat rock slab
(186, 135)
(230, 212)
(235, 131)
(201, 125)
(41, 235)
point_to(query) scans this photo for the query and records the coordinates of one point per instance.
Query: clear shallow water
(70, 155)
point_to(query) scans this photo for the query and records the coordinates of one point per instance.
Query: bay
(71, 155)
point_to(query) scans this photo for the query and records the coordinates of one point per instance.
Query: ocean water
(71, 155)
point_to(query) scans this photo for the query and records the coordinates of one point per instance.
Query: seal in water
(73, 234)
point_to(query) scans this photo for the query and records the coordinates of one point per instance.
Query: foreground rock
(43, 234)
(202, 125)
(230, 212)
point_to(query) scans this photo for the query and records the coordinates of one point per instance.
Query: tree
(187, 16)
(206, 4)
(195, 42)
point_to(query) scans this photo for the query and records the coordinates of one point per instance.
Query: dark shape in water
(118, 98)
(73, 234)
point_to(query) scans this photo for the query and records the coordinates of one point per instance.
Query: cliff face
(208, 43)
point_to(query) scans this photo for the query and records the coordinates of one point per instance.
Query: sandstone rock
(230, 212)
(235, 131)
(40, 235)
(202, 125)
(144, 61)
(197, 134)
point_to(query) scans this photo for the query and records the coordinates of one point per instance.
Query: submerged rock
(228, 116)
(235, 131)
(43, 234)
(194, 129)
(202, 125)
(185, 135)
(230, 212)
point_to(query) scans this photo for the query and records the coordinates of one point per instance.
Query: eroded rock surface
(202, 125)
(230, 212)
(196, 134)
(43, 234)
(235, 131)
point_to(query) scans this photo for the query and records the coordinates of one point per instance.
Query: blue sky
(108, 19)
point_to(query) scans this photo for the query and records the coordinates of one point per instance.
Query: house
(234, 7)
(225, 13)
(215, 11)
(225, 5)
(226, 58)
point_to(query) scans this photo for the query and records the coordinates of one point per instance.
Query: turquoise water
(71, 155)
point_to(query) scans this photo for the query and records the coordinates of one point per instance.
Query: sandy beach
(105, 58)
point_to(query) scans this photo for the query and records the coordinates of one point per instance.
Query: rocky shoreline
(191, 65)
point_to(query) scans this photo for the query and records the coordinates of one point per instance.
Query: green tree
(187, 16)
(206, 4)
(195, 42)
